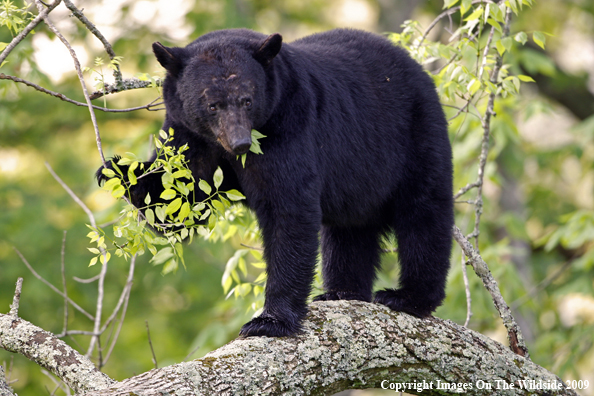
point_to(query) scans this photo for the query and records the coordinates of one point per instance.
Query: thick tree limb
(78, 372)
(348, 344)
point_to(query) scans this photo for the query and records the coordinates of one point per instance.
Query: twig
(547, 281)
(35, 274)
(148, 332)
(468, 295)
(117, 73)
(81, 79)
(514, 334)
(98, 311)
(72, 195)
(63, 271)
(124, 298)
(90, 280)
(14, 307)
(486, 124)
(32, 25)
(191, 353)
(125, 85)
(149, 107)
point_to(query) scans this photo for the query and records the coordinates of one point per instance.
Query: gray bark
(345, 345)
(78, 372)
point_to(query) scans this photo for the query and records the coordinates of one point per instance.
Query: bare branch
(81, 79)
(5, 389)
(150, 107)
(124, 85)
(14, 307)
(467, 290)
(148, 332)
(43, 348)
(514, 334)
(117, 73)
(54, 288)
(32, 25)
(65, 290)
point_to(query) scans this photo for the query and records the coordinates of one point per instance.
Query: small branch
(81, 79)
(124, 85)
(117, 73)
(542, 285)
(468, 295)
(14, 307)
(123, 304)
(35, 274)
(32, 25)
(44, 349)
(464, 189)
(5, 389)
(149, 107)
(72, 195)
(65, 290)
(90, 280)
(148, 332)
(514, 334)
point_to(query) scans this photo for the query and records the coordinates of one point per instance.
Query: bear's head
(217, 85)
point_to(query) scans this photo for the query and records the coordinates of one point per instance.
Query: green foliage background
(537, 229)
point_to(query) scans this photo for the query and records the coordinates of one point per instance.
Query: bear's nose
(241, 146)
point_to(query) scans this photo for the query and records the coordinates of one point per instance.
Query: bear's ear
(269, 49)
(168, 58)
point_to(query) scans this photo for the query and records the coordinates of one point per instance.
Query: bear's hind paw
(400, 301)
(270, 327)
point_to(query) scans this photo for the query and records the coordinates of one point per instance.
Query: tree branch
(32, 25)
(43, 348)
(346, 345)
(63, 97)
(514, 334)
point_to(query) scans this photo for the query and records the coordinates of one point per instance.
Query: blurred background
(537, 226)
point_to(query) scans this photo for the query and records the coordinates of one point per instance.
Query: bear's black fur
(356, 147)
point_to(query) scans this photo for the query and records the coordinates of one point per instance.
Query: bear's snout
(241, 145)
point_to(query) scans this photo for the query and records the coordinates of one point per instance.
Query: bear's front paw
(101, 178)
(270, 326)
(401, 301)
(341, 295)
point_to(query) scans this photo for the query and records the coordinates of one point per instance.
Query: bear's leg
(290, 251)
(350, 258)
(424, 246)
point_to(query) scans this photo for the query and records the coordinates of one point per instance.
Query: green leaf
(525, 78)
(108, 172)
(163, 134)
(168, 194)
(93, 261)
(118, 191)
(173, 206)
(104, 258)
(147, 199)
(539, 38)
(160, 212)
(475, 15)
(184, 211)
(170, 266)
(449, 3)
(204, 186)
(162, 256)
(234, 195)
(94, 250)
(218, 178)
(521, 37)
(473, 86)
(495, 24)
(218, 206)
(150, 216)
(3, 45)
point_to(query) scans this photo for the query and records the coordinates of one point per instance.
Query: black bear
(356, 148)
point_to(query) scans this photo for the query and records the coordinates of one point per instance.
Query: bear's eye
(248, 103)
(212, 107)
